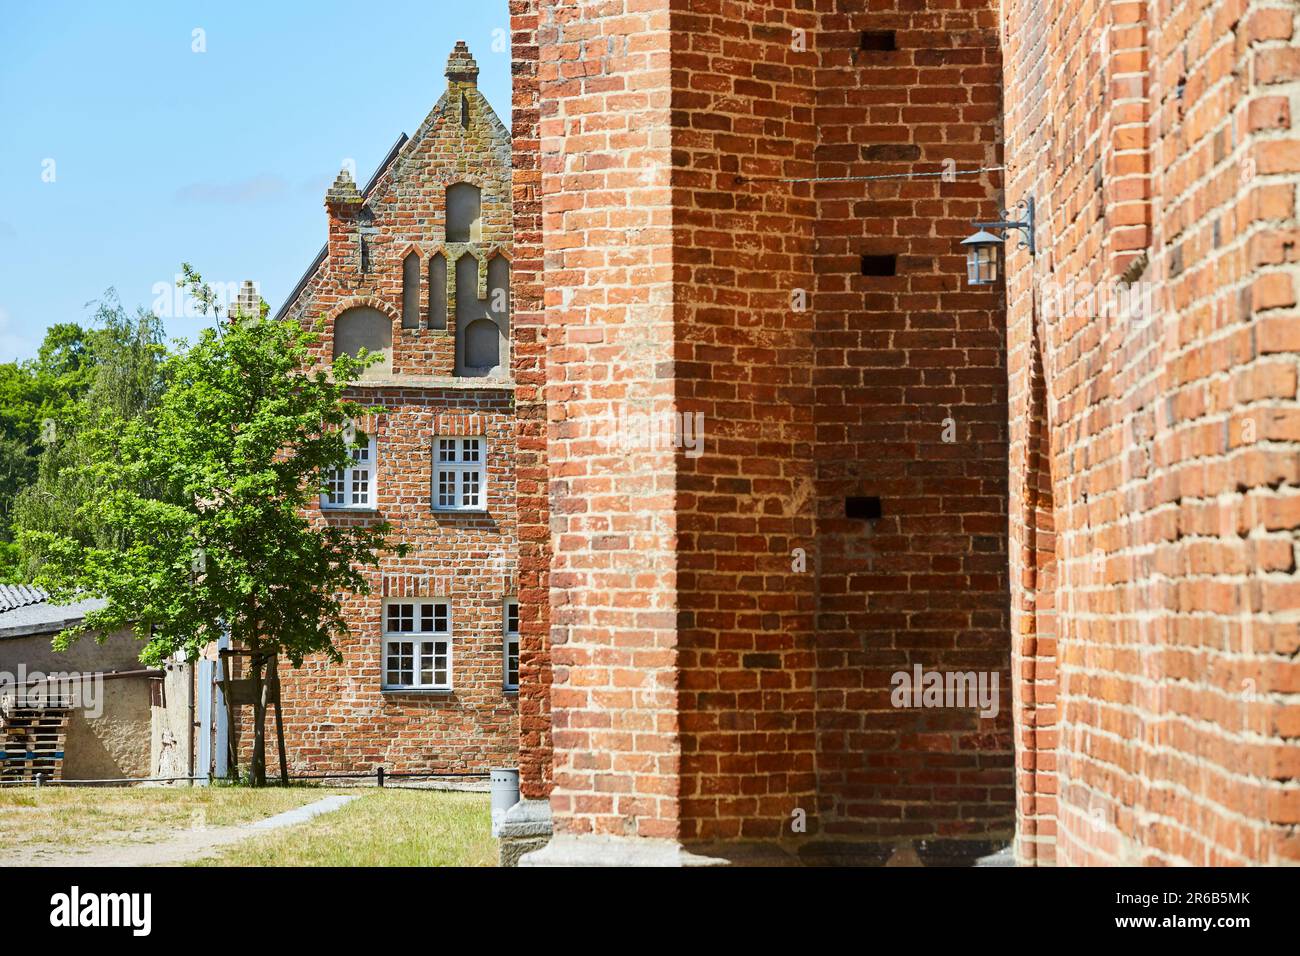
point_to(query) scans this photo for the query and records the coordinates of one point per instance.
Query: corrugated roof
(20, 595)
(27, 610)
(44, 617)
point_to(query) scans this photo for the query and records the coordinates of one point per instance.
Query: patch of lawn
(387, 827)
(80, 816)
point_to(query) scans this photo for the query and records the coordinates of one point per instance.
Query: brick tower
(753, 213)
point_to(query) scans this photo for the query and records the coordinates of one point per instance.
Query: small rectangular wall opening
(880, 265)
(863, 508)
(879, 40)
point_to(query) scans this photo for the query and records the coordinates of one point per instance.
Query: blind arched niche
(364, 327)
(464, 213)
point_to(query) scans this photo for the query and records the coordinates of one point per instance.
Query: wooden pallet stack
(31, 739)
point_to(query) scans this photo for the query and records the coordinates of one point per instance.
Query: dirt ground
(134, 827)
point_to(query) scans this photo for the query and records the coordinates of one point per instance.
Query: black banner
(144, 907)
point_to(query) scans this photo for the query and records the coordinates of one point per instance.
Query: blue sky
(221, 158)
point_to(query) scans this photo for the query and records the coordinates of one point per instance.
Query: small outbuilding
(92, 712)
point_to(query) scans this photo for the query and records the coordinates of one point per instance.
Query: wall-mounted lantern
(984, 247)
(982, 257)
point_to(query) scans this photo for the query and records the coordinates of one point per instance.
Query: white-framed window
(354, 486)
(459, 474)
(510, 645)
(417, 645)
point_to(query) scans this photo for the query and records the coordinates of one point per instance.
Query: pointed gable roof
(462, 80)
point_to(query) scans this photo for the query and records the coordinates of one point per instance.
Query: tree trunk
(258, 770)
(274, 672)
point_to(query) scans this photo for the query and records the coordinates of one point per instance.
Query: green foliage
(202, 497)
(37, 397)
(10, 563)
(113, 373)
(80, 375)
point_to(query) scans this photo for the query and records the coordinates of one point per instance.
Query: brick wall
(604, 90)
(1156, 138)
(529, 367)
(910, 407)
(743, 114)
(336, 716)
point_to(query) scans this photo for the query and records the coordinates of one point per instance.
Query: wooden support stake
(232, 742)
(279, 720)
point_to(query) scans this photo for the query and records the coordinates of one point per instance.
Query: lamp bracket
(1025, 224)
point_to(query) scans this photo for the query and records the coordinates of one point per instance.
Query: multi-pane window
(354, 486)
(459, 475)
(417, 645)
(511, 644)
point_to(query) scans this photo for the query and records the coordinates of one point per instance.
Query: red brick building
(1077, 485)
(417, 267)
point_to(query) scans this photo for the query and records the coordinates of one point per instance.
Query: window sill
(418, 691)
(459, 382)
(351, 511)
(459, 511)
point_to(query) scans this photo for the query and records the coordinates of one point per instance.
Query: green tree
(111, 366)
(207, 496)
(110, 374)
(37, 397)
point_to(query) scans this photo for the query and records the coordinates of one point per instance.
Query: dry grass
(388, 827)
(94, 816)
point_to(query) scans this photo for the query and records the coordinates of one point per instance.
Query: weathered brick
(1153, 492)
